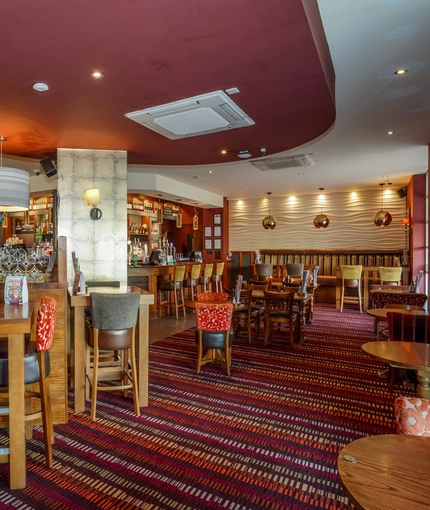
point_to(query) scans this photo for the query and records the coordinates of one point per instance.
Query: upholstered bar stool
(217, 276)
(191, 283)
(295, 271)
(351, 278)
(264, 271)
(175, 286)
(390, 275)
(205, 279)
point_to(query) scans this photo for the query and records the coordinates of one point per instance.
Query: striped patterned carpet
(267, 437)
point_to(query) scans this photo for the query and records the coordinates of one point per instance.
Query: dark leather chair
(114, 319)
(214, 333)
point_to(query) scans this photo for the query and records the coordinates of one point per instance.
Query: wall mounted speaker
(401, 192)
(48, 167)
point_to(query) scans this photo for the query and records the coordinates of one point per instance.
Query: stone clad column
(100, 246)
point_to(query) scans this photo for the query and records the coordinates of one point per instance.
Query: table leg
(17, 452)
(423, 388)
(300, 331)
(143, 354)
(79, 358)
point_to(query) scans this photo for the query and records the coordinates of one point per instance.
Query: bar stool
(205, 279)
(192, 282)
(295, 271)
(390, 275)
(351, 278)
(264, 271)
(217, 277)
(177, 286)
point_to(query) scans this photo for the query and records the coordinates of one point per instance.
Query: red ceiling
(154, 52)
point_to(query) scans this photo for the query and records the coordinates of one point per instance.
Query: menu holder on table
(15, 290)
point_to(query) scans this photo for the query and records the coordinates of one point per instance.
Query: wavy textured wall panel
(351, 222)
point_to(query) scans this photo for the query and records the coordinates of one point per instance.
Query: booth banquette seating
(327, 261)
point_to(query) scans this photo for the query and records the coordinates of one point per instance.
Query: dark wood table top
(390, 472)
(381, 313)
(413, 355)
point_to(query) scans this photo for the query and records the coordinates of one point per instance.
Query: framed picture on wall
(217, 244)
(208, 244)
(217, 231)
(217, 219)
(208, 231)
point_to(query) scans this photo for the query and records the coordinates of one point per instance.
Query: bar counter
(146, 276)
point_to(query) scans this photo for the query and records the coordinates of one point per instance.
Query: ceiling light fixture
(40, 87)
(244, 154)
(269, 222)
(195, 220)
(321, 220)
(97, 74)
(382, 218)
(15, 186)
(400, 72)
(390, 132)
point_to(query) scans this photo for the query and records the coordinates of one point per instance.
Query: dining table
(78, 303)
(380, 314)
(412, 355)
(386, 472)
(15, 322)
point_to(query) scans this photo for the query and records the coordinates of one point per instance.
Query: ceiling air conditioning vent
(282, 162)
(199, 115)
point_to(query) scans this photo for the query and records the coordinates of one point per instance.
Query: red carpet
(266, 437)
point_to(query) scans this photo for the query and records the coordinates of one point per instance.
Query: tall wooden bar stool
(217, 276)
(174, 286)
(351, 278)
(191, 283)
(390, 275)
(205, 279)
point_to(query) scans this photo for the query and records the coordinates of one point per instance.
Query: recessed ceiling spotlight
(210, 171)
(223, 151)
(97, 74)
(247, 189)
(301, 173)
(390, 132)
(196, 177)
(385, 176)
(158, 195)
(401, 71)
(40, 87)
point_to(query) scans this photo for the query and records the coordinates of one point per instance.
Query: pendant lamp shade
(14, 189)
(321, 220)
(269, 222)
(382, 218)
(15, 186)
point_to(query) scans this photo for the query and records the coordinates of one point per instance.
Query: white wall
(351, 222)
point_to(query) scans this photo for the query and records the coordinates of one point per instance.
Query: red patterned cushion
(212, 296)
(210, 317)
(46, 317)
(412, 416)
(382, 299)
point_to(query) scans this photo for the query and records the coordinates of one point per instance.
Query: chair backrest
(114, 311)
(383, 299)
(111, 283)
(278, 302)
(207, 272)
(212, 296)
(259, 283)
(351, 272)
(295, 269)
(45, 325)
(412, 416)
(406, 327)
(275, 283)
(179, 273)
(214, 317)
(219, 268)
(390, 274)
(264, 269)
(195, 271)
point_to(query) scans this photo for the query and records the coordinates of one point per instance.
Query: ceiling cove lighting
(15, 186)
(269, 222)
(382, 218)
(321, 220)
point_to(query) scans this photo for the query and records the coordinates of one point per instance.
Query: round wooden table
(413, 355)
(386, 472)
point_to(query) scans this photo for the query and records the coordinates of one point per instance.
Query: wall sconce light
(406, 222)
(93, 198)
(159, 213)
(195, 220)
(179, 219)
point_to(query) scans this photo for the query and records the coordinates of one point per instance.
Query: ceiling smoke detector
(195, 116)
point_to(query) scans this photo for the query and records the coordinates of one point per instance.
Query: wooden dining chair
(37, 369)
(279, 312)
(245, 316)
